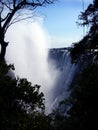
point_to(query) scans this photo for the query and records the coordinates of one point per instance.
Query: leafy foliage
(19, 100)
(89, 44)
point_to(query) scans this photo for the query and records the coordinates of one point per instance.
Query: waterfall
(62, 60)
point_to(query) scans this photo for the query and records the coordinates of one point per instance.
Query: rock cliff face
(61, 59)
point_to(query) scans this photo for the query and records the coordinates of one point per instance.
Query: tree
(90, 17)
(19, 100)
(89, 44)
(11, 12)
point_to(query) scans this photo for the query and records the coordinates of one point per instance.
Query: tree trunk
(3, 50)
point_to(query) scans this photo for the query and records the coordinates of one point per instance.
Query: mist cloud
(28, 52)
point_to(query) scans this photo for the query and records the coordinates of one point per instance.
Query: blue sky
(60, 21)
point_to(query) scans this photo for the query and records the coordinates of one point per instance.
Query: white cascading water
(27, 51)
(67, 71)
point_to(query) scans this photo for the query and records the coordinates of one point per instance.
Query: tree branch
(5, 4)
(15, 6)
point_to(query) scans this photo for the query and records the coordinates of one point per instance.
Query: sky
(59, 19)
